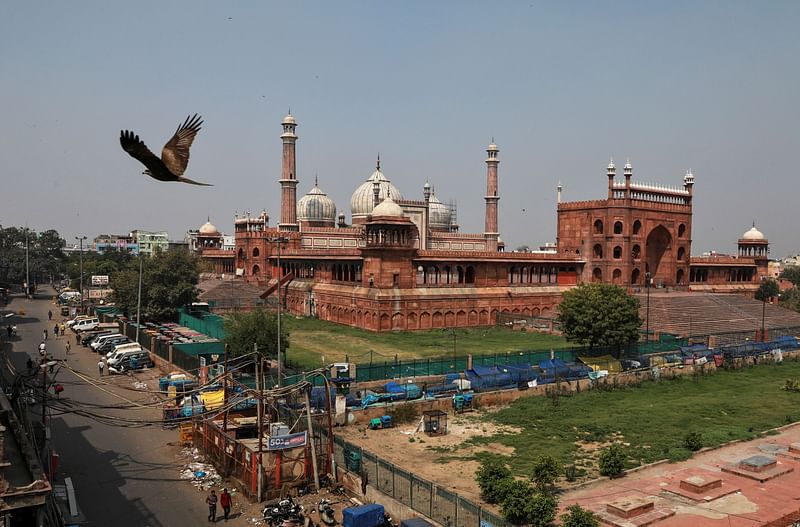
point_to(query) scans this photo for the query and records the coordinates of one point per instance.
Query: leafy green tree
(260, 327)
(545, 472)
(46, 259)
(792, 274)
(522, 505)
(169, 281)
(599, 315)
(577, 516)
(515, 504)
(790, 299)
(494, 479)
(767, 290)
(541, 509)
(612, 461)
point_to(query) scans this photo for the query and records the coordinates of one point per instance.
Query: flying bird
(174, 155)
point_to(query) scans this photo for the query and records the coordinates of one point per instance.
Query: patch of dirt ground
(435, 458)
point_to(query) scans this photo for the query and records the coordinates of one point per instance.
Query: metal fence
(425, 497)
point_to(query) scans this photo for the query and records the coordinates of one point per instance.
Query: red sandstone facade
(403, 265)
(640, 230)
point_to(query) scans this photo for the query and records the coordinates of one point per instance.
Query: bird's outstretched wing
(175, 154)
(138, 150)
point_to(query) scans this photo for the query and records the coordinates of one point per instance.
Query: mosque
(403, 264)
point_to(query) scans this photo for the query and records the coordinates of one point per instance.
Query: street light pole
(647, 326)
(27, 267)
(80, 239)
(763, 306)
(139, 299)
(278, 240)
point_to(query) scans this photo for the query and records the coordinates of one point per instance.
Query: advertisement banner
(99, 279)
(287, 441)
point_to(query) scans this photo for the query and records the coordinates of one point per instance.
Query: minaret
(426, 191)
(612, 172)
(628, 173)
(288, 179)
(491, 232)
(688, 183)
(559, 188)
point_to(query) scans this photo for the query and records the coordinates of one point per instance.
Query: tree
(545, 472)
(612, 461)
(577, 516)
(259, 327)
(494, 479)
(768, 289)
(792, 274)
(599, 315)
(46, 259)
(523, 505)
(790, 299)
(169, 281)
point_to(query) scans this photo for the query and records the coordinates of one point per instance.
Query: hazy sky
(561, 86)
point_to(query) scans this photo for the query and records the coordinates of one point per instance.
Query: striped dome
(361, 203)
(316, 206)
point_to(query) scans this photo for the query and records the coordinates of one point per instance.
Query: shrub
(545, 472)
(612, 461)
(541, 509)
(792, 385)
(693, 441)
(494, 479)
(404, 413)
(522, 505)
(579, 517)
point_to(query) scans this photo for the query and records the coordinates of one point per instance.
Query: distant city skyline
(561, 87)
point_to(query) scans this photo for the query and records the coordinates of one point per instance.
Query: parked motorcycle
(285, 513)
(326, 512)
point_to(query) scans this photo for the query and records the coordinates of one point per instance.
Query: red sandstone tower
(288, 179)
(491, 232)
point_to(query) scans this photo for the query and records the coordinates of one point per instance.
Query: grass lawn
(310, 339)
(651, 419)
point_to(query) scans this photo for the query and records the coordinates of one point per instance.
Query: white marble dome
(388, 207)
(753, 234)
(316, 206)
(361, 203)
(438, 213)
(208, 229)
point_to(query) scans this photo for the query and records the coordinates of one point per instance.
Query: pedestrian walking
(69, 347)
(225, 502)
(29, 364)
(62, 328)
(77, 338)
(55, 331)
(100, 366)
(42, 349)
(212, 506)
(49, 315)
(44, 333)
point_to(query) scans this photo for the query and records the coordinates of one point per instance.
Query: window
(617, 276)
(635, 277)
(681, 253)
(637, 227)
(679, 277)
(597, 275)
(636, 253)
(256, 270)
(256, 252)
(241, 254)
(618, 227)
(681, 230)
(598, 251)
(598, 227)
(617, 252)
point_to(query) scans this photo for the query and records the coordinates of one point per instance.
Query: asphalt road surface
(123, 476)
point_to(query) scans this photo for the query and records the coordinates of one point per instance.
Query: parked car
(111, 343)
(132, 361)
(86, 324)
(99, 341)
(87, 337)
(117, 352)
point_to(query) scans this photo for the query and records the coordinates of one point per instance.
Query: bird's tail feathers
(187, 180)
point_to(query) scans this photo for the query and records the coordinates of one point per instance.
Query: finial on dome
(378, 164)
(316, 180)
(611, 165)
(754, 223)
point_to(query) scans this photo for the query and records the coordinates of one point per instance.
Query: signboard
(100, 293)
(287, 441)
(99, 279)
